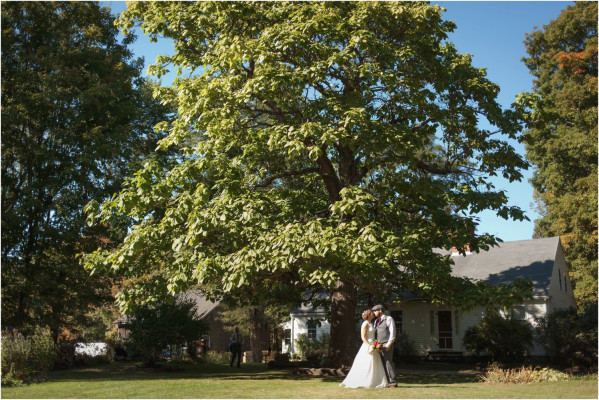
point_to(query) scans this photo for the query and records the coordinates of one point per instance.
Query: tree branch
(267, 181)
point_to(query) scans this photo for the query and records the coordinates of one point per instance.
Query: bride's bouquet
(375, 345)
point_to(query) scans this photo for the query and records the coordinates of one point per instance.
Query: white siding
(534, 310)
(417, 324)
(414, 323)
(299, 324)
(560, 288)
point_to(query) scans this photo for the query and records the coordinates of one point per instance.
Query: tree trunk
(256, 333)
(342, 345)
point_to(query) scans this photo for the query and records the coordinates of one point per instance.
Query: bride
(367, 371)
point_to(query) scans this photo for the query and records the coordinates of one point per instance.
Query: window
(287, 338)
(311, 330)
(559, 278)
(445, 330)
(565, 285)
(398, 318)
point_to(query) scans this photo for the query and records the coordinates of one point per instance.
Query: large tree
(76, 117)
(323, 144)
(561, 141)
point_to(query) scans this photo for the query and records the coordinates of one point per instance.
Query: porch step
(444, 356)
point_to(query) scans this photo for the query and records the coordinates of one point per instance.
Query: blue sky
(493, 32)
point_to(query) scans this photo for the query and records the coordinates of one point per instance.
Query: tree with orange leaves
(562, 138)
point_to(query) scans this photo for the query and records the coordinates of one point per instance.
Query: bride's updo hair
(367, 315)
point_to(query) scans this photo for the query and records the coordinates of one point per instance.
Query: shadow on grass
(219, 372)
(441, 379)
(132, 372)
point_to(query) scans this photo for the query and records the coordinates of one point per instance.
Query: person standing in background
(235, 348)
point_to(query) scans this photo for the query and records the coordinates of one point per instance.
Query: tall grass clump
(26, 357)
(496, 374)
(215, 357)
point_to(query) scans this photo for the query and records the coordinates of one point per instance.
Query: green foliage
(43, 351)
(561, 140)
(154, 326)
(404, 349)
(570, 337)
(265, 311)
(25, 357)
(504, 339)
(216, 357)
(495, 374)
(192, 351)
(282, 357)
(76, 117)
(320, 145)
(309, 349)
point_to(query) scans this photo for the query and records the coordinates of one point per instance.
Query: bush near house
(154, 326)
(312, 349)
(570, 337)
(404, 349)
(504, 339)
(26, 357)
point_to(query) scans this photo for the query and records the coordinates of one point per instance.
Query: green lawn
(255, 381)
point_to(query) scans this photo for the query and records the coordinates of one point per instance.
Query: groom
(385, 333)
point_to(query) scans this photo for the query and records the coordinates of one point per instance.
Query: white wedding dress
(367, 371)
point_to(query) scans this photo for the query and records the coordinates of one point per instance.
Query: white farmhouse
(306, 320)
(439, 331)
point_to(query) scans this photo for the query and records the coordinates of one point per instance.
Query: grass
(123, 380)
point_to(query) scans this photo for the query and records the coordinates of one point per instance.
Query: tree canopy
(561, 141)
(76, 117)
(321, 144)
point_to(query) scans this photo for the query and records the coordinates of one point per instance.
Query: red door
(445, 331)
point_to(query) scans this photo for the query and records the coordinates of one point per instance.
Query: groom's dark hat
(377, 307)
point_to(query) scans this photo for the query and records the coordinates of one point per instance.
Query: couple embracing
(373, 365)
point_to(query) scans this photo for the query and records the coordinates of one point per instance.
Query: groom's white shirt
(391, 325)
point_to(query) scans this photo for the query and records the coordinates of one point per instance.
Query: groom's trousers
(389, 366)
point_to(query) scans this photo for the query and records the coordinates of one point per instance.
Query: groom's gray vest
(382, 332)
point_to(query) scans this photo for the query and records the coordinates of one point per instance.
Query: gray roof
(529, 259)
(307, 308)
(203, 306)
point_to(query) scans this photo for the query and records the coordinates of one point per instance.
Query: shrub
(11, 380)
(495, 374)
(282, 357)
(43, 351)
(404, 349)
(155, 326)
(312, 349)
(24, 357)
(65, 356)
(192, 351)
(570, 337)
(215, 357)
(505, 340)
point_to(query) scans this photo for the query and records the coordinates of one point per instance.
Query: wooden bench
(249, 357)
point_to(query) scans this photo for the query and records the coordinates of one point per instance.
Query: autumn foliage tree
(322, 144)
(561, 141)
